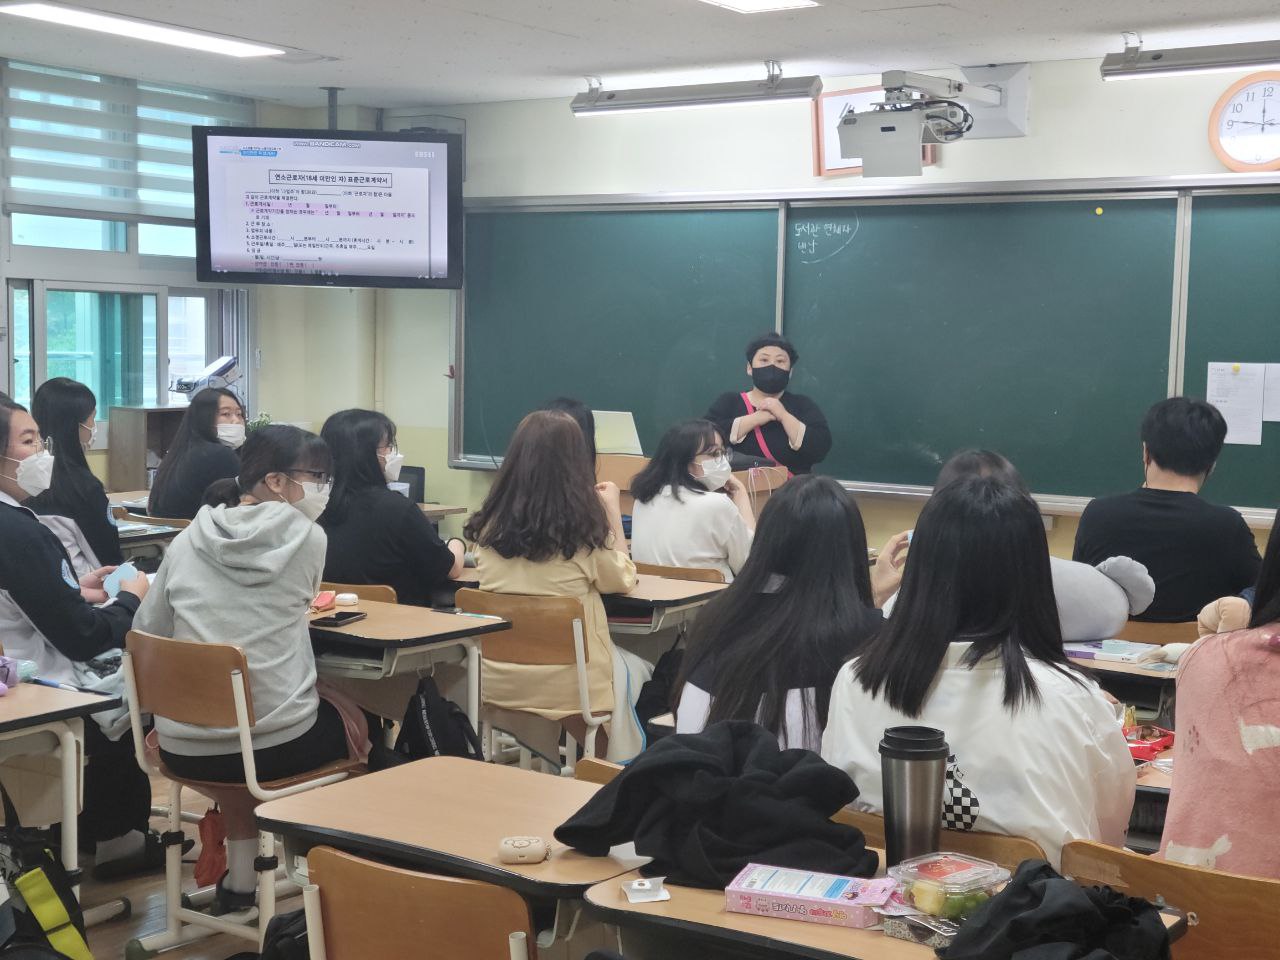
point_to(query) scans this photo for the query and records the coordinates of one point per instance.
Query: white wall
(1080, 127)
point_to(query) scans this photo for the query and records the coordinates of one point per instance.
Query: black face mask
(770, 379)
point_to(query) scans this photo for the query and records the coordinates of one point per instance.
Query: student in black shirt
(204, 450)
(767, 422)
(375, 534)
(47, 615)
(1195, 551)
(66, 410)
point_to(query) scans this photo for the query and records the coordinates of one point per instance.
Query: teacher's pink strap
(764, 447)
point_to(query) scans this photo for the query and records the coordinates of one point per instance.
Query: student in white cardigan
(689, 510)
(768, 648)
(974, 649)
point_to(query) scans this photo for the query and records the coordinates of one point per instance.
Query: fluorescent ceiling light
(599, 102)
(1136, 63)
(140, 30)
(761, 6)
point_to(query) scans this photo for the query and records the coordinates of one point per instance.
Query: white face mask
(93, 435)
(34, 474)
(391, 466)
(232, 434)
(715, 473)
(315, 497)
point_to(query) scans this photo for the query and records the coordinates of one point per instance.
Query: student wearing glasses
(375, 534)
(246, 572)
(689, 510)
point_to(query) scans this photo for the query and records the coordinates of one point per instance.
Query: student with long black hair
(680, 517)
(768, 648)
(203, 451)
(974, 649)
(375, 534)
(246, 572)
(1222, 803)
(66, 410)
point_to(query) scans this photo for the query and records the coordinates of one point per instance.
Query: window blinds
(91, 142)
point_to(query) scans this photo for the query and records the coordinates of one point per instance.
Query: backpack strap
(759, 434)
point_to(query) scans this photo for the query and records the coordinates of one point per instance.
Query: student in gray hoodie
(246, 572)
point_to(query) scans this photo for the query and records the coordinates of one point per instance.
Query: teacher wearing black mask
(767, 422)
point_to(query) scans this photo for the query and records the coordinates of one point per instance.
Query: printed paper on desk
(1271, 393)
(1236, 389)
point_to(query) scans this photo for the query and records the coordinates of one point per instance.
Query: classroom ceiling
(418, 52)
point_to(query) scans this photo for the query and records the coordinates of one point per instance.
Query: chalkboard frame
(1183, 188)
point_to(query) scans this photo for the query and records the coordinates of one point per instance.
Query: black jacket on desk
(40, 602)
(1195, 551)
(78, 495)
(386, 538)
(182, 494)
(704, 805)
(817, 435)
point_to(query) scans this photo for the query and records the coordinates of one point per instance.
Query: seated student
(203, 450)
(245, 572)
(973, 648)
(1195, 551)
(66, 411)
(679, 518)
(1227, 767)
(546, 529)
(47, 615)
(375, 534)
(1094, 603)
(582, 416)
(768, 648)
(768, 422)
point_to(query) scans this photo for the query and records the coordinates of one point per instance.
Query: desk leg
(69, 744)
(473, 682)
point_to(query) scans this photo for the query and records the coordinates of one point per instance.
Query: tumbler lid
(914, 743)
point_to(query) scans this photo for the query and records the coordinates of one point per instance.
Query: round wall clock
(1244, 128)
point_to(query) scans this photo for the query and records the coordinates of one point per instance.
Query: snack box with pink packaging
(804, 895)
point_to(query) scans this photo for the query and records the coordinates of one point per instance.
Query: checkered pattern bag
(959, 804)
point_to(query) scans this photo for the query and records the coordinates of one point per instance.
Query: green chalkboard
(1036, 328)
(643, 310)
(1233, 315)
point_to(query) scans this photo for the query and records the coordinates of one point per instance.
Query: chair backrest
(699, 574)
(1138, 631)
(122, 513)
(591, 770)
(1227, 914)
(372, 910)
(541, 627)
(365, 591)
(187, 682)
(996, 847)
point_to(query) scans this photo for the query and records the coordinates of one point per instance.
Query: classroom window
(69, 233)
(166, 240)
(107, 341)
(188, 335)
(20, 338)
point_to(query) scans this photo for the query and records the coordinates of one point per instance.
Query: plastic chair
(699, 574)
(357, 909)
(997, 847)
(546, 631)
(1228, 915)
(365, 591)
(206, 685)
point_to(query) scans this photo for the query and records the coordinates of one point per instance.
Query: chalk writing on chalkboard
(818, 240)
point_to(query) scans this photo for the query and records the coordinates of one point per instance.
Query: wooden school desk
(396, 639)
(438, 511)
(448, 815)
(36, 720)
(1160, 679)
(657, 603)
(701, 915)
(135, 500)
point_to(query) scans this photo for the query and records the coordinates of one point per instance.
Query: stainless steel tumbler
(913, 767)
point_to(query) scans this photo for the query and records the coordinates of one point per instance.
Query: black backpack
(286, 939)
(435, 727)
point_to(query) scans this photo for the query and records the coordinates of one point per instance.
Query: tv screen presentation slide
(328, 208)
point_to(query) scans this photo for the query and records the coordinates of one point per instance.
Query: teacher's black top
(817, 435)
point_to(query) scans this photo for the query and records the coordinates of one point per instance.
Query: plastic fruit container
(948, 885)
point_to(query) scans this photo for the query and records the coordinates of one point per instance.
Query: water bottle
(913, 767)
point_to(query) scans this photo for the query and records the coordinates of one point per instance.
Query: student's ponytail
(222, 493)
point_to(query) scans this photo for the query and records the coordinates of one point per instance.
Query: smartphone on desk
(339, 619)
